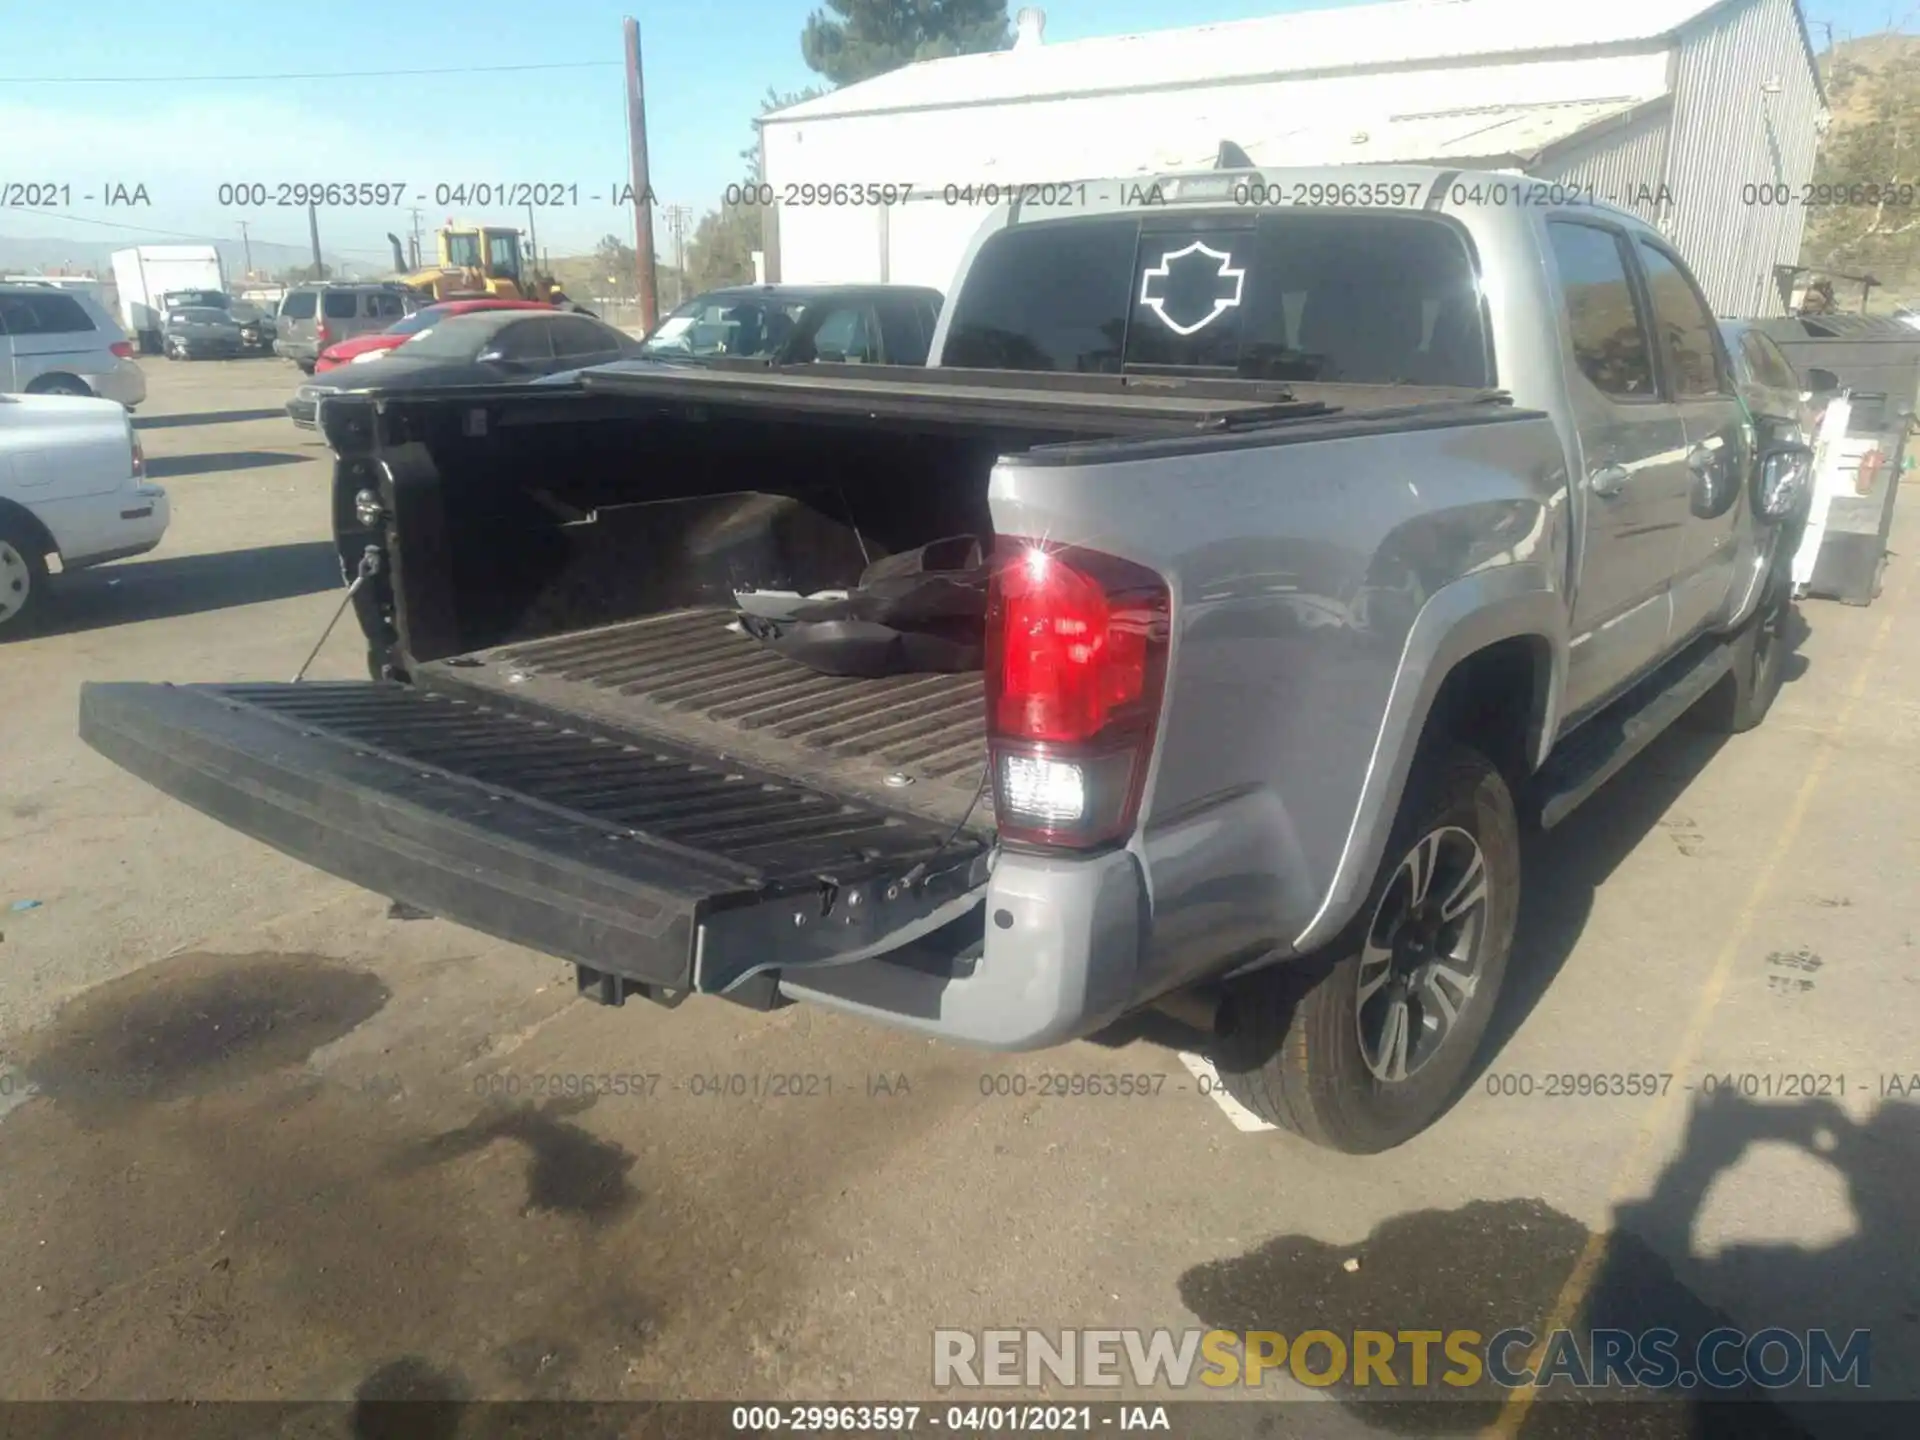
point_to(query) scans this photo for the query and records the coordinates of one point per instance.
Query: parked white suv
(73, 483)
(63, 342)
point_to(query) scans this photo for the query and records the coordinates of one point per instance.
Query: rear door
(904, 331)
(1633, 477)
(524, 348)
(1698, 378)
(340, 316)
(579, 342)
(49, 332)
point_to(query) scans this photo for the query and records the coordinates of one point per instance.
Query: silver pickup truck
(1338, 525)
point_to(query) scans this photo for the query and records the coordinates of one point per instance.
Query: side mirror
(1822, 382)
(1783, 481)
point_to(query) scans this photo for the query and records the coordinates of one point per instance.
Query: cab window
(1685, 327)
(1610, 341)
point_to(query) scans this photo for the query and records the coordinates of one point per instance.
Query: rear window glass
(340, 304)
(298, 306)
(1343, 298)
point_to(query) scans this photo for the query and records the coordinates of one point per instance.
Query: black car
(800, 324)
(256, 325)
(486, 347)
(201, 333)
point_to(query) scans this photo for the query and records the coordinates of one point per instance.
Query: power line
(186, 234)
(300, 74)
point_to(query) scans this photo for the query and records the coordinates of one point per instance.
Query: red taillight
(139, 460)
(321, 333)
(122, 348)
(1075, 667)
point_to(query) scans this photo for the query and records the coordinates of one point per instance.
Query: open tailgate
(615, 850)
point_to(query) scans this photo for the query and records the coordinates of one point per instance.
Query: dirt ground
(259, 1139)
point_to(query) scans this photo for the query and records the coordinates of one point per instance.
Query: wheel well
(40, 382)
(1494, 700)
(20, 521)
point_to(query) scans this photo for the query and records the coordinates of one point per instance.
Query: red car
(401, 331)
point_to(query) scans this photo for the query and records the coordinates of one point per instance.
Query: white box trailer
(919, 241)
(146, 272)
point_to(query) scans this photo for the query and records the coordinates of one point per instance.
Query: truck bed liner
(692, 677)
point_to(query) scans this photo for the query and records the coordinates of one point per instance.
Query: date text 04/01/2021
(965, 1419)
(379, 194)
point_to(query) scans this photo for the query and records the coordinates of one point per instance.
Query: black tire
(1290, 1047)
(1741, 701)
(23, 580)
(306, 366)
(61, 385)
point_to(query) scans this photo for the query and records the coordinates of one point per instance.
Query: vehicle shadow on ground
(190, 584)
(1567, 865)
(205, 417)
(1496, 1266)
(173, 467)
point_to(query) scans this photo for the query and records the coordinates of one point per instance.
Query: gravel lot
(258, 1139)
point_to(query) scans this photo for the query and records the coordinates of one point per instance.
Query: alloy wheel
(1420, 960)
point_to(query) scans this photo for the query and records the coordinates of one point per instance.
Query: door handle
(1608, 481)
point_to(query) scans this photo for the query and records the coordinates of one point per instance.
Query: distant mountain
(36, 254)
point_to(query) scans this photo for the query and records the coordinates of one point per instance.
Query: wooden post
(642, 186)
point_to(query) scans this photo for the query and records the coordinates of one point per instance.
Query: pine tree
(864, 38)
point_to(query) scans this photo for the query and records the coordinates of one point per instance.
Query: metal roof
(1357, 37)
(1488, 137)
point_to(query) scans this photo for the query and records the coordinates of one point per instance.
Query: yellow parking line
(1579, 1283)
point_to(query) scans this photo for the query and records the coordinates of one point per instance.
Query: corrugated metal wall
(1728, 134)
(1621, 165)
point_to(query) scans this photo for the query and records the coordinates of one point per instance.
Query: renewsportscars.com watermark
(1724, 1359)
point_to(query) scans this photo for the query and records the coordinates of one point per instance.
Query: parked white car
(73, 483)
(59, 342)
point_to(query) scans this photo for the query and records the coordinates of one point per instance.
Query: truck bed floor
(692, 677)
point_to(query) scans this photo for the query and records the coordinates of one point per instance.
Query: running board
(1595, 752)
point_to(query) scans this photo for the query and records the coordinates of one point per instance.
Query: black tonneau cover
(1126, 404)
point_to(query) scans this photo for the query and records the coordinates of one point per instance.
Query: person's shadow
(1502, 1265)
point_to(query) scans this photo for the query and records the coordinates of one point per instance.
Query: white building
(1701, 114)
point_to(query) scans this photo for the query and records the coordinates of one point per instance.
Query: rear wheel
(1366, 1044)
(60, 385)
(23, 580)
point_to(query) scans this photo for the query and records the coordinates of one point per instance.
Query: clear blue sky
(707, 66)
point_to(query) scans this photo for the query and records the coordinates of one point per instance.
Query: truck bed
(692, 677)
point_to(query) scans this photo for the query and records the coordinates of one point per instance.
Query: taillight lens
(122, 348)
(1075, 669)
(139, 461)
(321, 333)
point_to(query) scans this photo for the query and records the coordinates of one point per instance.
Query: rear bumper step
(457, 808)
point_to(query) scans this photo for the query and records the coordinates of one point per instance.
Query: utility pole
(313, 232)
(678, 218)
(247, 244)
(533, 238)
(642, 185)
(414, 238)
